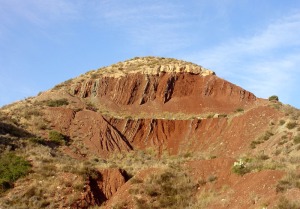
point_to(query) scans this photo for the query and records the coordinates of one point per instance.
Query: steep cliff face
(97, 133)
(164, 92)
(158, 85)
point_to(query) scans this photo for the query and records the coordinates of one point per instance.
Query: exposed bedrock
(173, 92)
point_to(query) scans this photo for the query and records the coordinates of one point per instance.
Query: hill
(151, 132)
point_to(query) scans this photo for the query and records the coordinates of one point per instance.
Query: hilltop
(151, 132)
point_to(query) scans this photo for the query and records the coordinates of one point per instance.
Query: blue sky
(252, 43)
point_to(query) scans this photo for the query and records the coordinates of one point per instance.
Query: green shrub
(267, 135)
(263, 157)
(283, 141)
(261, 139)
(240, 167)
(254, 143)
(239, 110)
(212, 178)
(57, 103)
(32, 112)
(297, 139)
(273, 98)
(12, 167)
(57, 138)
(291, 125)
(281, 122)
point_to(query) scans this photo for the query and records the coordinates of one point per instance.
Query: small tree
(239, 167)
(57, 103)
(57, 138)
(274, 98)
(12, 167)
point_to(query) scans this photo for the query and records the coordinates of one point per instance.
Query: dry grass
(291, 112)
(55, 180)
(284, 203)
(205, 198)
(291, 180)
(265, 137)
(170, 188)
(137, 160)
(155, 115)
(256, 163)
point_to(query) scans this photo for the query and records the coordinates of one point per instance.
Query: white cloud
(37, 12)
(137, 11)
(281, 34)
(273, 76)
(264, 63)
(157, 25)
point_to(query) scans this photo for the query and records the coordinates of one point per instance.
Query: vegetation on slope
(168, 188)
(12, 167)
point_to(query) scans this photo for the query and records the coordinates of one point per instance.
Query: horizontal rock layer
(171, 92)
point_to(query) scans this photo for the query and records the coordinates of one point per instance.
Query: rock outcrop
(173, 87)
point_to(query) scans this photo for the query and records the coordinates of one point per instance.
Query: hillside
(151, 132)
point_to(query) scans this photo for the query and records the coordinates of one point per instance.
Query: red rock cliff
(167, 86)
(146, 102)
